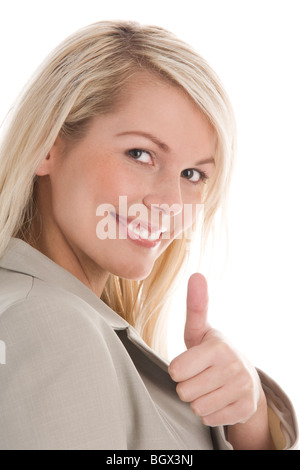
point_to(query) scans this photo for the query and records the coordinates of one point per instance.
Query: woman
(119, 113)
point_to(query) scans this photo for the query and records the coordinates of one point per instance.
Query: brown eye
(140, 155)
(195, 176)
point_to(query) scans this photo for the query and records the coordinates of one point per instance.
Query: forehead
(148, 103)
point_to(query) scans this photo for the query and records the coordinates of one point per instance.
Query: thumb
(196, 325)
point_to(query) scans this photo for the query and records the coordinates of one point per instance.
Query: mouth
(143, 233)
(139, 231)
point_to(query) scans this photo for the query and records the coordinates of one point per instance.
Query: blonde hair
(82, 78)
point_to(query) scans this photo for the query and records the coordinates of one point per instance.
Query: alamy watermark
(165, 221)
(2, 353)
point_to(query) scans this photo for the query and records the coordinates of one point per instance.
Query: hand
(223, 388)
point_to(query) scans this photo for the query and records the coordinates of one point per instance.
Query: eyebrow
(154, 139)
(161, 145)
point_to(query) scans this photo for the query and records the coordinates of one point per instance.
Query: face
(153, 152)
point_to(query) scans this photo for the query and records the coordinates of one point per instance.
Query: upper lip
(143, 224)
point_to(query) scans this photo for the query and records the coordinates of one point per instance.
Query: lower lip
(137, 240)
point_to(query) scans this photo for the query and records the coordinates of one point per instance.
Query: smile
(139, 233)
(143, 233)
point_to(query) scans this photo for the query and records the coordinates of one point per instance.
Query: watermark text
(2, 353)
(167, 222)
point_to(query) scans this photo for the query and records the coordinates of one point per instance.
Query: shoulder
(59, 388)
(43, 320)
(14, 287)
(48, 329)
(46, 321)
(25, 299)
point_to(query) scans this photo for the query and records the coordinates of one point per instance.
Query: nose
(165, 199)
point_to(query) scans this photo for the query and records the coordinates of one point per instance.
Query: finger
(192, 362)
(197, 307)
(238, 412)
(215, 401)
(202, 384)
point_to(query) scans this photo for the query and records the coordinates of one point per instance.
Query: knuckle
(213, 420)
(173, 371)
(223, 351)
(221, 348)
(246, 383)
(182, 392)
(196, 408)
(234, 368)
(247, 409)
(208, 421)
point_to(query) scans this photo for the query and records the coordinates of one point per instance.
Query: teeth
(143, 233)
(135, 229)
(154, 236)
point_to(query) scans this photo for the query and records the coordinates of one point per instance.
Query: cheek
(82, 184)
(86, 183)
(74, 187)
(108, 181)
(191, 213)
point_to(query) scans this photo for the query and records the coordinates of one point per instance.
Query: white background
(254, 46)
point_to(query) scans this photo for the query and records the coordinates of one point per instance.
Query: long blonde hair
(82, 78)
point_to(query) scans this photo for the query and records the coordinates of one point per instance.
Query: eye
(140, 155)
(195, 176)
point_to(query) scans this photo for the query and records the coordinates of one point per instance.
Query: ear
(43, 168)
(46, 164)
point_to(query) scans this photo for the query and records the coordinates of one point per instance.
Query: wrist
(254, 434)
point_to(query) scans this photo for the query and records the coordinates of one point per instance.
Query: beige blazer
(78, 376)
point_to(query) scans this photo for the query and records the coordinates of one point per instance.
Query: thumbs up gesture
(220, 384)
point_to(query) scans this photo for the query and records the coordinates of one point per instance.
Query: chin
(135, 273)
